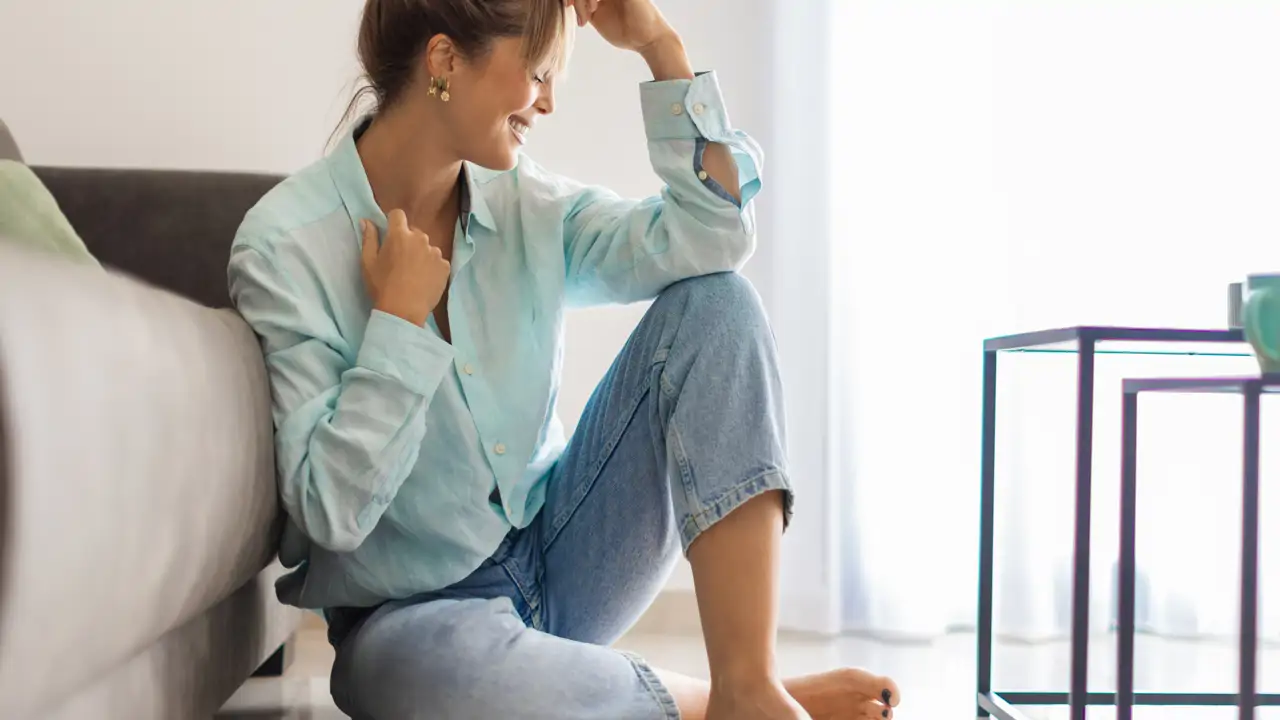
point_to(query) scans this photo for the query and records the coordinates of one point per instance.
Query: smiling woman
(512, 39)
(409, 291)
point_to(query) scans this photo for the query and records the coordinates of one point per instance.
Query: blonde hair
(394, 34)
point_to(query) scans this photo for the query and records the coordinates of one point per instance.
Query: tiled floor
(936, 678)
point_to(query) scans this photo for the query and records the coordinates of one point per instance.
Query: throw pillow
(30, 216)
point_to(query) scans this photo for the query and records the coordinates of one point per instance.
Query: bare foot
(754, 701)
(845, 694)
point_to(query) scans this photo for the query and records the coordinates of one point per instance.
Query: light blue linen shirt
(392, 444)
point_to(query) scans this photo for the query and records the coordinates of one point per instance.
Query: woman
(409, 293)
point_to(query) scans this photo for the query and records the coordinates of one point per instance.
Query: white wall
(253, 85)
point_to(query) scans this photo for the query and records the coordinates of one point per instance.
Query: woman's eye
(539, 80)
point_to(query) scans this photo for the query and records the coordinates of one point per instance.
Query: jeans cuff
(656, 689)
(730, 500)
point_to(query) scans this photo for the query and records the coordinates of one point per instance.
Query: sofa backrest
(171, 228)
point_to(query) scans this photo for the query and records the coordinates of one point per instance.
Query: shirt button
(699, 108)
(677, 109)
(702, 174)
(468, 369)
(500, 449)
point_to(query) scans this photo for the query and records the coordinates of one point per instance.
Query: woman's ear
(441, 56)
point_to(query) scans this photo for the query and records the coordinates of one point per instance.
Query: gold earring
(440, 85)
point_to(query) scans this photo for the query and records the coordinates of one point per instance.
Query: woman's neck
(409, 169)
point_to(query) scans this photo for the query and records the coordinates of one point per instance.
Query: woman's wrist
(667, 58)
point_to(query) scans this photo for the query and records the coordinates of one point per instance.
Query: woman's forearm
(668, 60)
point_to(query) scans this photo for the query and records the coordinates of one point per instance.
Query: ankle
(740, 675)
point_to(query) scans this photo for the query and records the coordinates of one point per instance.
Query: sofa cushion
(29, 216)
(195, 668)
(139, 473)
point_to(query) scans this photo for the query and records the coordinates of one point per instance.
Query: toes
(882, 689)
(873, 710)
(890, 693)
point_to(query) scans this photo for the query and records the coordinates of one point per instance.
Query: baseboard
(673, 612)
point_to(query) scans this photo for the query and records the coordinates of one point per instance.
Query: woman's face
(494, 103)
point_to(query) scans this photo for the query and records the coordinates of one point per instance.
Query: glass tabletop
(1125, 341)
(1268, 384)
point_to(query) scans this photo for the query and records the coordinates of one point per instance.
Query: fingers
(398, 224)
(397, 221)
(369, 242)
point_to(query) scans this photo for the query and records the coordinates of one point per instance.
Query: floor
(936, 678)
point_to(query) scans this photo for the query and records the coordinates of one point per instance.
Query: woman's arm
(347, 432)
(668, 60)
(702, 221)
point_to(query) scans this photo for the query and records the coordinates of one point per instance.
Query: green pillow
(30, 217)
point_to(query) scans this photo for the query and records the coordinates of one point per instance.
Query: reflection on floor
(936, 678)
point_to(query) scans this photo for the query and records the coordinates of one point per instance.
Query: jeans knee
(719, 302)
(430, 660)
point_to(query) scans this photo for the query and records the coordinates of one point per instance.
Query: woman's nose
(546, 102)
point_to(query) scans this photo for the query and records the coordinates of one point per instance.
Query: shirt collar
(357, 195)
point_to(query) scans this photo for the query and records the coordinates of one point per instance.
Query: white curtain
(1006, 166)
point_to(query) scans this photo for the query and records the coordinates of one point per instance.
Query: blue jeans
(686, 426)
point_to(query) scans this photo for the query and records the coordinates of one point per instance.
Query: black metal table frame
(1251, 388)
(1003, 704)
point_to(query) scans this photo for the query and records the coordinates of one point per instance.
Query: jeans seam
(596, 467)
(675, 445)
(615, 437)
(528, 593)
(726, 502)
(653, 685)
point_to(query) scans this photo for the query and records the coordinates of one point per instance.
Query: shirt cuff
(685, 109)
(707, 180)
(396, 348)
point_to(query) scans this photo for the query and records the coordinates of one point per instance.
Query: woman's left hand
(626, 24)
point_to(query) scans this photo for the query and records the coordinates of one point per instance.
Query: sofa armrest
(137, 472)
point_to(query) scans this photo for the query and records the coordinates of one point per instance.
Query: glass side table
(1248, 698)
(1086, 343)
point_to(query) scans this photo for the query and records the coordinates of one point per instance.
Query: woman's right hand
(407, 276)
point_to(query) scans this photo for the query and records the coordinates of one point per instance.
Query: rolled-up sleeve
(348, 431)
(695, 110)
(625, 250)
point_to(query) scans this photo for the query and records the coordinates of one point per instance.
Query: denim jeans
(686, 426)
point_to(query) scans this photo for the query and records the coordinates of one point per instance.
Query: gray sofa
(138, 512)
